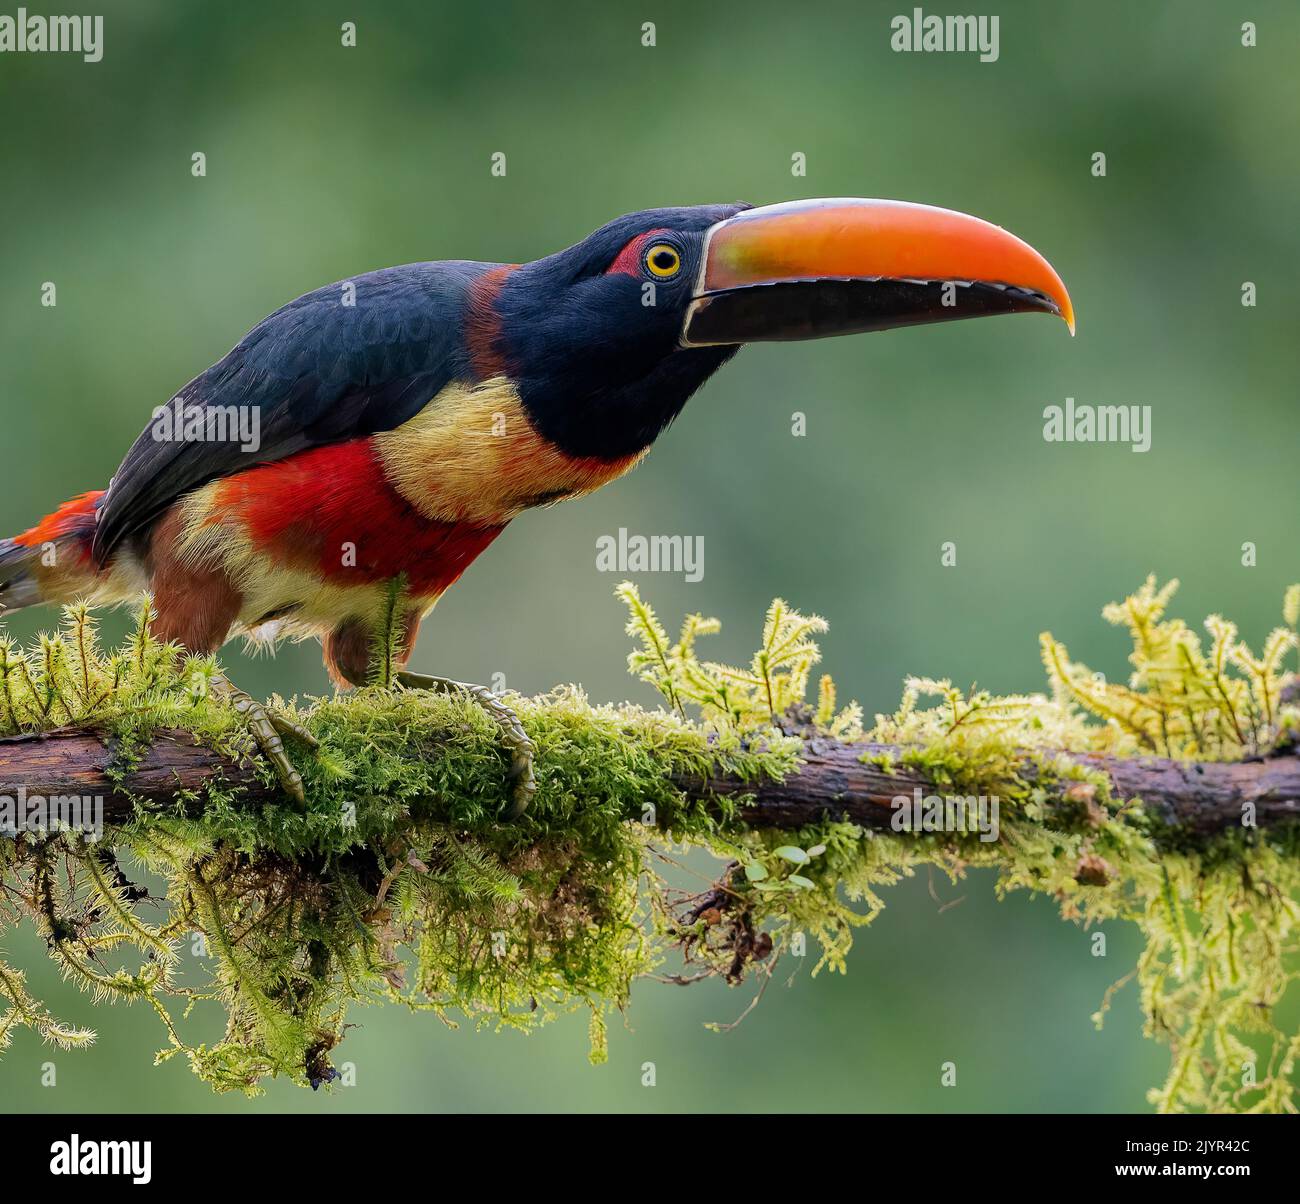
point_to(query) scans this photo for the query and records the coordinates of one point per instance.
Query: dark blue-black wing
(333, 365)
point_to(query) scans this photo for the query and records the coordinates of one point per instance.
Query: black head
(591, 336)
(607, 341)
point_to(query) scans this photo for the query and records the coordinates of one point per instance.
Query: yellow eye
(663, 260)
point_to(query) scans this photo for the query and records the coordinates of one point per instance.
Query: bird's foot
(520, 777)
(267, 729)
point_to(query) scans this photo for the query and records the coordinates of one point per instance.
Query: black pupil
(664, 260)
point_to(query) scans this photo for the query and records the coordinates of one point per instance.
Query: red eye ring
(628, 262)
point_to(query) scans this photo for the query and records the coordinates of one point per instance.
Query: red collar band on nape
(483, 323)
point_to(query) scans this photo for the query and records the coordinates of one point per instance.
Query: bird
(387, 428)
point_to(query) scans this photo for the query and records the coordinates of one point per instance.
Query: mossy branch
(1177, 811)
(1185, 803)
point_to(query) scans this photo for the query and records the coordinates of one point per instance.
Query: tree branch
(1197, 798)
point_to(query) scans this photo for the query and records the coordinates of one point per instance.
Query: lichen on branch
(397, 882)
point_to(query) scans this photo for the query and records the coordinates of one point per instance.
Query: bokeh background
(323, 162)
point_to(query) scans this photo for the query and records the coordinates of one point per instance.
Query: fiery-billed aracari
(407, 415)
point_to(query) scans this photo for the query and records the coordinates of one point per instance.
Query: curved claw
(265, 728)
(291, 727)
(523, 782)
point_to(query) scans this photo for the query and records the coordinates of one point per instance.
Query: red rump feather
(76, 517)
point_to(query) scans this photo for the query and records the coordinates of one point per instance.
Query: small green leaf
(792, 853)
(755, 871)
(817, 850)
(800, 881)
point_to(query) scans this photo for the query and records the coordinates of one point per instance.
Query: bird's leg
(520, 776)
(267, 728)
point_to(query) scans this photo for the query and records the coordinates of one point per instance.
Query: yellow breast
(471, 455)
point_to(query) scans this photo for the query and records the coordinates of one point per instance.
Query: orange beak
(810, 269)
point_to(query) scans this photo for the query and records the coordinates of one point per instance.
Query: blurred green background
(323, 162)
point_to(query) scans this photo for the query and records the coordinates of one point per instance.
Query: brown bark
(1198, 798)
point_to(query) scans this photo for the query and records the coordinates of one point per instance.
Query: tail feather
(52, 561)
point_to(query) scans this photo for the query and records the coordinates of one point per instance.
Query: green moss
(397, 882)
